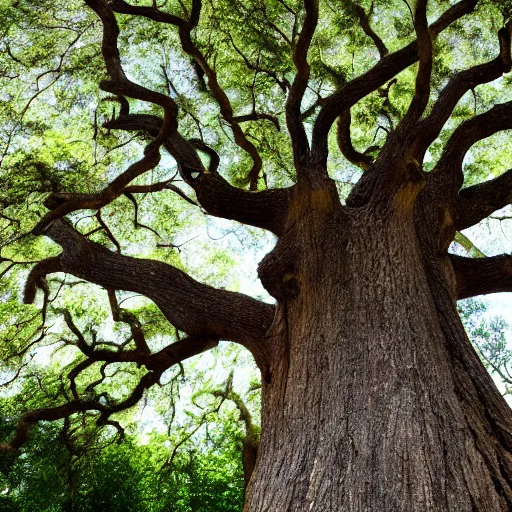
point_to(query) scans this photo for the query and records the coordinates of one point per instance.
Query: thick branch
(470, 132)
(345, 143)
(151, 13)
(449, 168)
(482, 276)
(190, 306)
(476, 203)
(458, 85)
(300, 141)
(422, 86)
(38, 272)
(266, 209)
(382, 72)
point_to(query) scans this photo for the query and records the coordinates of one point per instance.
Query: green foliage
(488, 335)
(127, 477)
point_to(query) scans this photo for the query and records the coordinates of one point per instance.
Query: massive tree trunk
(374, 400)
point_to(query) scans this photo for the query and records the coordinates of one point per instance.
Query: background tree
(372, 397)
(178, 461)
(110, 476)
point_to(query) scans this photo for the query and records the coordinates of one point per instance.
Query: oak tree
(372, 396)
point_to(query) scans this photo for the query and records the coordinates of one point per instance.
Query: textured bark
(376, 399)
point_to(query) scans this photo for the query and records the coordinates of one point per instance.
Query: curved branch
(482, 276)
(29, 419)
(75, 372)
(185, 29)
(61, 204)
(212, 154)
(382, 72)
(476, 203)
(158, 362)
(251, 440)
(345, 143)
(182, 150)
(364, 21)
(123, 315)
(300, 143)
(449, 167)
(192, 307)
(258, 116)
(266, 209)
(422, 86)
(362, 160)
(462, 82)
(178, 352)
(158, 187)
(120, 85)
(38, 272)
(151, 13)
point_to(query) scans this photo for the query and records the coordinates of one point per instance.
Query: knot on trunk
(410, 186)
(277, 271)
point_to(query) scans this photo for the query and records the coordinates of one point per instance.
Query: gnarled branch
(192, 307)
(159, 362)
(121, 86)
(300, 143)
(382, 72)
(429, 128)
(364, 21)
(123, 315)
(449, 167)
(38, 272)
(345, 143)
(266, 209)
(422, 85)
(185, 28)
(29, 419)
